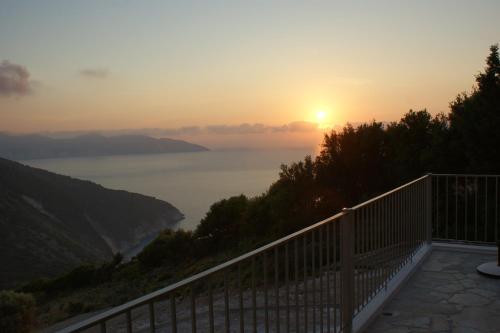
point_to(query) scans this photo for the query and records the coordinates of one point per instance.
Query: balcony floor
(444, 295)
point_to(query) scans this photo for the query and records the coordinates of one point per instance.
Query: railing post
(428, 208)
(347, 268)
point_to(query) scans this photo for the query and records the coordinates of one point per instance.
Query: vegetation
(166, 249)
(354, 164)
(17, 312)
(52, 223)
(475, 121)
(81, 276)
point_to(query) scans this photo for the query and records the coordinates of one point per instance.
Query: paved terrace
(445, 294)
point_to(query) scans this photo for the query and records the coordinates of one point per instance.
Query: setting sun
(320, 116)
(323, 118)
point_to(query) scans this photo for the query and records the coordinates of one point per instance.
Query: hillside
(50, 223)
(23, 147)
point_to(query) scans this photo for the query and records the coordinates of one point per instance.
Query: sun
(321, 116)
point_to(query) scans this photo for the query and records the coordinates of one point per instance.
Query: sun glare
(320, 116)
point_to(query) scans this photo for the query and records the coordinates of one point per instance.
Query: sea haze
(189, 181)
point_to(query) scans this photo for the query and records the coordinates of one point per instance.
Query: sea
(192, 182)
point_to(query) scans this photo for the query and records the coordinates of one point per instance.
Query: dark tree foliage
(219, 228)
(292, 197)
(475, 121)
(169, 248)
(350, 163)
(82, 276)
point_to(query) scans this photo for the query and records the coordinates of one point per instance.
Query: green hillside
(50, 223)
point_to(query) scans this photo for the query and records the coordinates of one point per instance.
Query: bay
(190, 181)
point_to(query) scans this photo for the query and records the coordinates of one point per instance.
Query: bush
(220, 229)
(79, 277)
(74, 308)
(34, 286)
(17, 312)
(170, 248)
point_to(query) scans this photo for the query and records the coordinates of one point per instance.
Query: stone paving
(446, 294)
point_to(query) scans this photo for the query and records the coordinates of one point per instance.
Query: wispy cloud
(298, 134)
(94, 73)
(14, 79)
(241, 129)
(258, 128)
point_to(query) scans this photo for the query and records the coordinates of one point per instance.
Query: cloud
(14, 79)
(241, 129)
(302, 126)
(298, 134)
(94, 73)
(245, 128)
(237, 129)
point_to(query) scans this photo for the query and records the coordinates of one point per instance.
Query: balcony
(400, 262)
(446, 294)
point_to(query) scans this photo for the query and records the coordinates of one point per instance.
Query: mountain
(50, 223)
(23, 147)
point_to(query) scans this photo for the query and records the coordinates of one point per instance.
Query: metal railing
(314, 280)
(388, 231)
(465, 208)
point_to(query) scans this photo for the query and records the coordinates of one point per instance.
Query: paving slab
(445, 295)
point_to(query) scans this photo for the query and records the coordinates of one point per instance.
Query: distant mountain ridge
(34, 146)
(50, 223)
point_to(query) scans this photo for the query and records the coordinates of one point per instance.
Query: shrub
(82, 276)
(74, 308)
(170, 247)
(17, 312)
(34, 286)
(220, 229)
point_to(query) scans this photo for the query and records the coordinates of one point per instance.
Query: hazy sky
(166, 64)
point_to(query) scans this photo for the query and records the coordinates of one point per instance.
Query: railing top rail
(367, 202)
(462, 175)
(160, 293)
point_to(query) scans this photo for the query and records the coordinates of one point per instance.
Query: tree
(170, 248)
(352, 164)
(475, 120)
(416, 145)
(221, 227)
(293, 197)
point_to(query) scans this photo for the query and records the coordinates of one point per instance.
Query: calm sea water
(189, 181)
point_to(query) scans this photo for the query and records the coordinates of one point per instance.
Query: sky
(108, 65)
